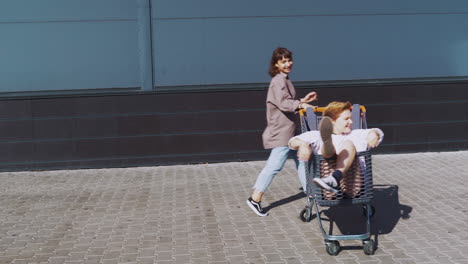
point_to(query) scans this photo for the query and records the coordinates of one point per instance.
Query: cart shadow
(292, 198)
(387, 212)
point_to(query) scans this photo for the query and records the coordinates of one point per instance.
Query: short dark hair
(278, 54)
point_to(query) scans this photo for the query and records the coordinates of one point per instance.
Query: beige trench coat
(281, 106)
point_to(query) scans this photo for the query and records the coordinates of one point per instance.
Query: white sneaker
(326, 131)
(328, 183)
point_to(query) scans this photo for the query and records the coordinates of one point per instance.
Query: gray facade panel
(262, 8)
(218, 50)
(65, 45)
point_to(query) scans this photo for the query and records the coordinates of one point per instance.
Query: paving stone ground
(197, 214)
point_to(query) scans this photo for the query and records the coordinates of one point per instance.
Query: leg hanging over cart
(353, 188)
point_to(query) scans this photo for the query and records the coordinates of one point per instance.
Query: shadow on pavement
(388, 210)
(292, 198)
(351, 220)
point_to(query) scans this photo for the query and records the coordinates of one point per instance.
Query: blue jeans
(275, 163)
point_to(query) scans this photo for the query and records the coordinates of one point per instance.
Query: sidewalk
(197, 214)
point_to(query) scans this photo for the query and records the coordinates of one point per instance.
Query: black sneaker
(256, 207)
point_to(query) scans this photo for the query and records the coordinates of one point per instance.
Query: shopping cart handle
(322, 108)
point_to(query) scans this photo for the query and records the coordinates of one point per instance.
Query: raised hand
(312, 96)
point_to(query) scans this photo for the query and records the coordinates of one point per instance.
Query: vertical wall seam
(145, 45)
(151, 32)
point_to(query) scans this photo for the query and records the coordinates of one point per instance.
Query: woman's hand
(304, 106)
(312, 96)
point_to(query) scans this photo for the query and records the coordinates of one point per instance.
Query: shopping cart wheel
(306, 215)
(371, 208)
(368, 246)
(332, 247)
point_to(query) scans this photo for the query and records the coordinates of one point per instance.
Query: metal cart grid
(360, 192)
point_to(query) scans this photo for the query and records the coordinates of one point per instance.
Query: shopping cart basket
(356, 185)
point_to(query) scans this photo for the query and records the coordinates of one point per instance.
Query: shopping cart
(356, 185)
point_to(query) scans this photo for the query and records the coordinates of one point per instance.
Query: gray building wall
(66, 45)
(69, 45)
(142, 82)
(214, 42)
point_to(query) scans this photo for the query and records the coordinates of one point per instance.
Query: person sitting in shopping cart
(335, 138)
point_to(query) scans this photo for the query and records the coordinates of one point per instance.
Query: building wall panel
(209, 42)
(146, 130)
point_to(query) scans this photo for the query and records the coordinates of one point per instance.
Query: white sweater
(357, 136)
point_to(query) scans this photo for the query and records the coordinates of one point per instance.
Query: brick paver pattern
(197, 214)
